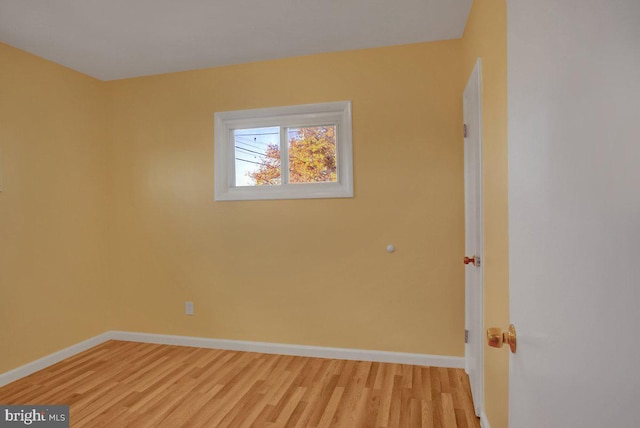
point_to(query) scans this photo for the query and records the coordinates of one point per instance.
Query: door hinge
(466, 130)
(466, 336)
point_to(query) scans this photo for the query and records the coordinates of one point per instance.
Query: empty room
(320, 213)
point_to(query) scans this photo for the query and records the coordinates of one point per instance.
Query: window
(284, 152)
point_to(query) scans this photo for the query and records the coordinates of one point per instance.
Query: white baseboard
(236, 345)
(52, 359)
(296, 350)
(484, 422)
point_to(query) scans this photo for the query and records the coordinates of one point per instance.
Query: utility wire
(251, 151)
(244, 160)
(251, 145)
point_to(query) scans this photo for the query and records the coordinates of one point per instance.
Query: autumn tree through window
(285, 152)
(312, 156)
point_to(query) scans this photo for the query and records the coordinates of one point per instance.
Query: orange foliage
(312, 158)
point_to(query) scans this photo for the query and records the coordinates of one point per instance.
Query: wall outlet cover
(188, 308)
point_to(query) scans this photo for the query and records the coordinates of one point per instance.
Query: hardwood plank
(358, 417)
(386, 394)
(332, 406)
(448, 412)
(415, 413)
(427, 414)
(346, 413)
(290, 406)
(373, 407)
(294, 420)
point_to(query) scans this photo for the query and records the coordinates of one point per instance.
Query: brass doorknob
(496, 337)
(471, 260)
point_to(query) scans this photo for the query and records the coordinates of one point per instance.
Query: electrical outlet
(188, 308)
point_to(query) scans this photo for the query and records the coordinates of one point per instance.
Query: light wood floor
(127, 384)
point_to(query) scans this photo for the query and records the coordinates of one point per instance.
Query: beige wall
(486, 37)
(311, 272)
(53, 222)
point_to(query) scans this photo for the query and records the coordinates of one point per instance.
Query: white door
(574, 212)
(474, 294)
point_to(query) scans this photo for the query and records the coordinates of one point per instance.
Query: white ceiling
(114, 39)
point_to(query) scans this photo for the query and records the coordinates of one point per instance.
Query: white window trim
(335, 113)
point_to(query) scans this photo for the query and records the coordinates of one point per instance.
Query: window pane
(312, 154)
(257, 154)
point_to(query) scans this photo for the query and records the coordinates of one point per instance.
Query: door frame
(474, 308)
